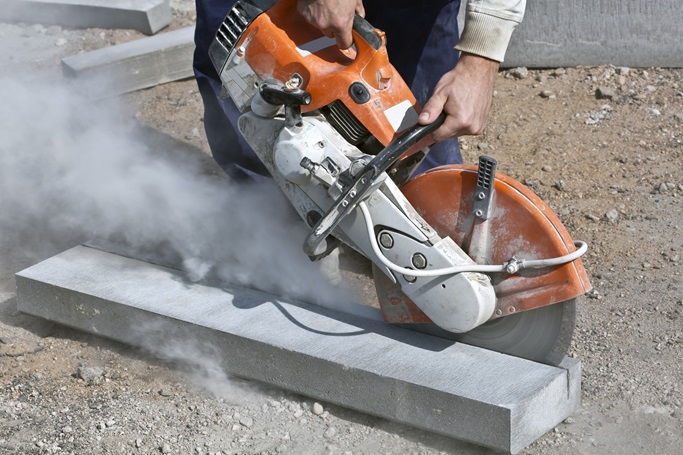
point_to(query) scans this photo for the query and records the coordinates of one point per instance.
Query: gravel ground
(601, 145)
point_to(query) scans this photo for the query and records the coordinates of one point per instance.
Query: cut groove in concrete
(461, 391)
(146, 16)
(134, 65)
(568, 33)
(618, 32)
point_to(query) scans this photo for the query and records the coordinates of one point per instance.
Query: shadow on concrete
(365, 318)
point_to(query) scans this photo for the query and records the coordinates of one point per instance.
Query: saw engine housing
(357, 90)
(336, 130)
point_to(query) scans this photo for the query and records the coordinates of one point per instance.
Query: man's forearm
(489, 25)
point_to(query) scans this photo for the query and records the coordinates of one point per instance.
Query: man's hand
(333, 17)
(464, 94)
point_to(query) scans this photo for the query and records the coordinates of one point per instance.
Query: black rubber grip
(367, 32)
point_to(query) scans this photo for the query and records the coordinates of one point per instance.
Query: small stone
(247, 421)
(678, 117)
(560, 185)
(547, 168)
(654, 112)
(37, 375)
(605, 93)
(623, 70)
(592, 217)
(89, 374)
(318, 409)
(482, 146)
(61, 42)
(547, 94)
(165, 393)
(138, 443)
(518, 73)
(612, 215)
(67, 430)
(330, 432)
(194, 134)
(166, 448)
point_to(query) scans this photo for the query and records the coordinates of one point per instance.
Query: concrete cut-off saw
(459, 251)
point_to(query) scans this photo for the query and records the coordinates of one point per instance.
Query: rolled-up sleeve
(489, 25)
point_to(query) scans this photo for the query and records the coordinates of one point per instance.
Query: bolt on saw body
(459, 251)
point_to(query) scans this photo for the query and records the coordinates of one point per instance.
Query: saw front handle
(358, 190)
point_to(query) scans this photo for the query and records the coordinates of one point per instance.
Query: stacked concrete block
(135, 65)
(147, 16)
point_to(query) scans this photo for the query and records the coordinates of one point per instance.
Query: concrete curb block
(133, 66)
(449, 388)
(147, 16)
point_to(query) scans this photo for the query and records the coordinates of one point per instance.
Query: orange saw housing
(358, 90)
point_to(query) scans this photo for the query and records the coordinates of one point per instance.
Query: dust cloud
(73, 171)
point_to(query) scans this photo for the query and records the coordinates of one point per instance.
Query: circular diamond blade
(543, 334)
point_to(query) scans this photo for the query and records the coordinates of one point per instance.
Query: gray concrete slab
(566, 33)
(449, 388)
(135, 65)
(147, 16)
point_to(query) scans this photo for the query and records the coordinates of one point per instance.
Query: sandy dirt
(601, 145)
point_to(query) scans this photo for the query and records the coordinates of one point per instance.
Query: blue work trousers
(420, 40)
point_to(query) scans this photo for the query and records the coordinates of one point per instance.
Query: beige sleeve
(489, 25)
